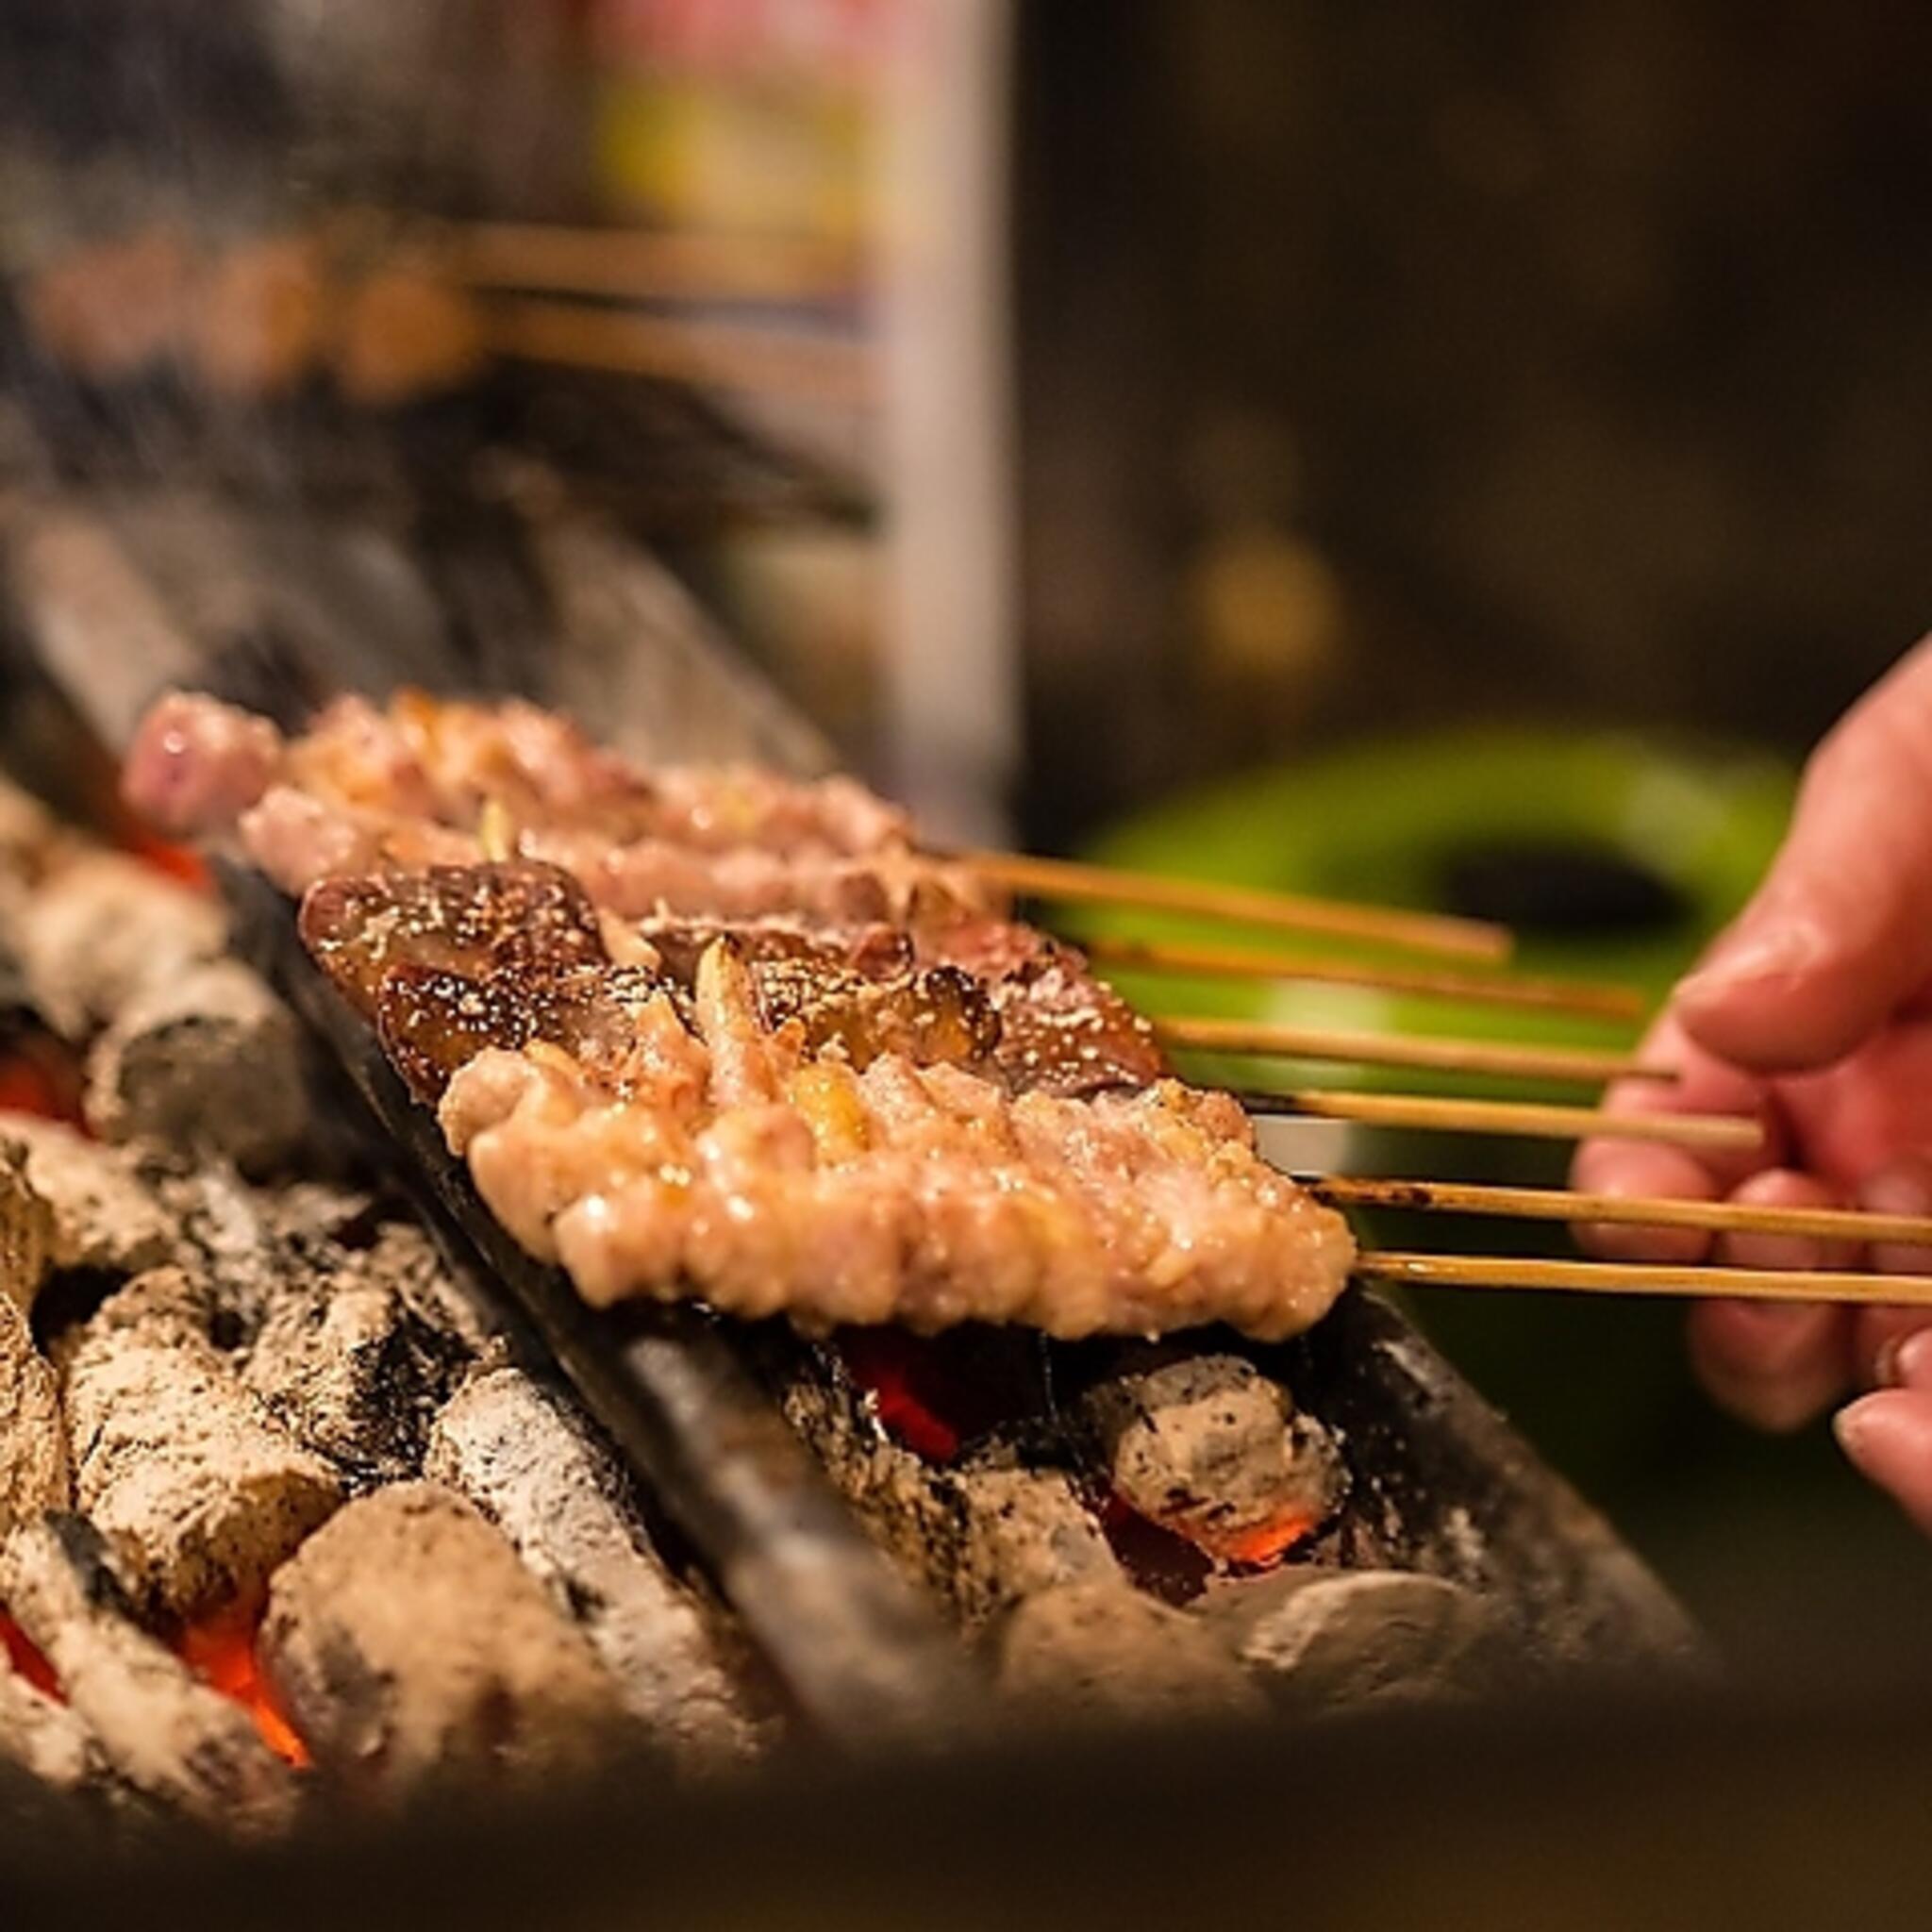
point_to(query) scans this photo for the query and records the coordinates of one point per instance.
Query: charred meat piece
(993, 993)
(456, 958)
(471, 921)
(1061, 1030)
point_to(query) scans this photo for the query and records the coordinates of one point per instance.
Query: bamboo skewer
(635, 265)
(1235, 962)
(1620, 1278)
(1586, 1065)
(1062, 879)
(1533, 1120)
(1567, 1204)
(725, 355)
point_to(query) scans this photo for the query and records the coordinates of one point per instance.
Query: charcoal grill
(1446, 1486)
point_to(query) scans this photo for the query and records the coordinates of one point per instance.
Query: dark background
(1584, 346)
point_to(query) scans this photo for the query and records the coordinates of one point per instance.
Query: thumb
(1839, 934)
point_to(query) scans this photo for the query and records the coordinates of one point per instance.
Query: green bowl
(1397, 821)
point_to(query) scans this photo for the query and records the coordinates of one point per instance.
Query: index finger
(1637, 1170)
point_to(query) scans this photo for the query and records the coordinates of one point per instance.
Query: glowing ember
(1264, 1545)
(39, 1077)
(22, 1656)
(1173, 1558)
(221, 1651)
(887, 1366)
(177, 861)
(1163, 1564)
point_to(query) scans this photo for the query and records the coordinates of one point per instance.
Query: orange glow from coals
(39, 1077)
(178, 862)
(1266, 1543)
(24, 1657)
(221, 1652)
(884, 1363)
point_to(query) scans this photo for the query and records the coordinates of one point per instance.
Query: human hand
(1814, 1012)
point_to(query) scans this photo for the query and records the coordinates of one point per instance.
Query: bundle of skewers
(717, 1034)
(387, 311)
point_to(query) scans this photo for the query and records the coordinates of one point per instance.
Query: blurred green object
(1625, 854)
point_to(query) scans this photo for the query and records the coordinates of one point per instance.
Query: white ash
(103, 1213)
(1209, 1447)
(105, 928)
(159, 1728)
(33, 1441)
(202, 1492)
(47, 1738)
(1089, 1650)
(1329, 1641)
(408, 1645)
(506, 1444)
(206, 1062)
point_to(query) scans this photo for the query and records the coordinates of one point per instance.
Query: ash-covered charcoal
(349, 1357)
(982, 1534)
(27, 1230)
(101, 1214)
(1017, 1555)
(506, 1444)
(157, 1726)
(317, 1225)
(202, 1492)
(47, 1738)
(33, 1442)
(1090, 1650)
(105, 929)
(1211, 1449)
(208, 1062)
(408, 1645)
(1329, 1641)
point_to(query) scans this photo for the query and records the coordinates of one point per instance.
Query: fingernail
(1772, 952)
(1906, 1361)
(1850, 1426)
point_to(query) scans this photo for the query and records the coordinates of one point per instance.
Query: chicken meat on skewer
(857, 1154)
(424, 781)
(722, 1035)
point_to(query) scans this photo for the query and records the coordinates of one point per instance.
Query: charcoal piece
(27, 1230)
(1207, 1446)
(105, 929)
(47, 1738)
(1326, 1641)
(33, 1443)
(101, 1214)
(982, 1534)
(1097, 1649)
(511, 1448)
(200, 1490)
(351, 1352)
(32, 841)
(208, 1062)
(408, 1645)
(157, 1726)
